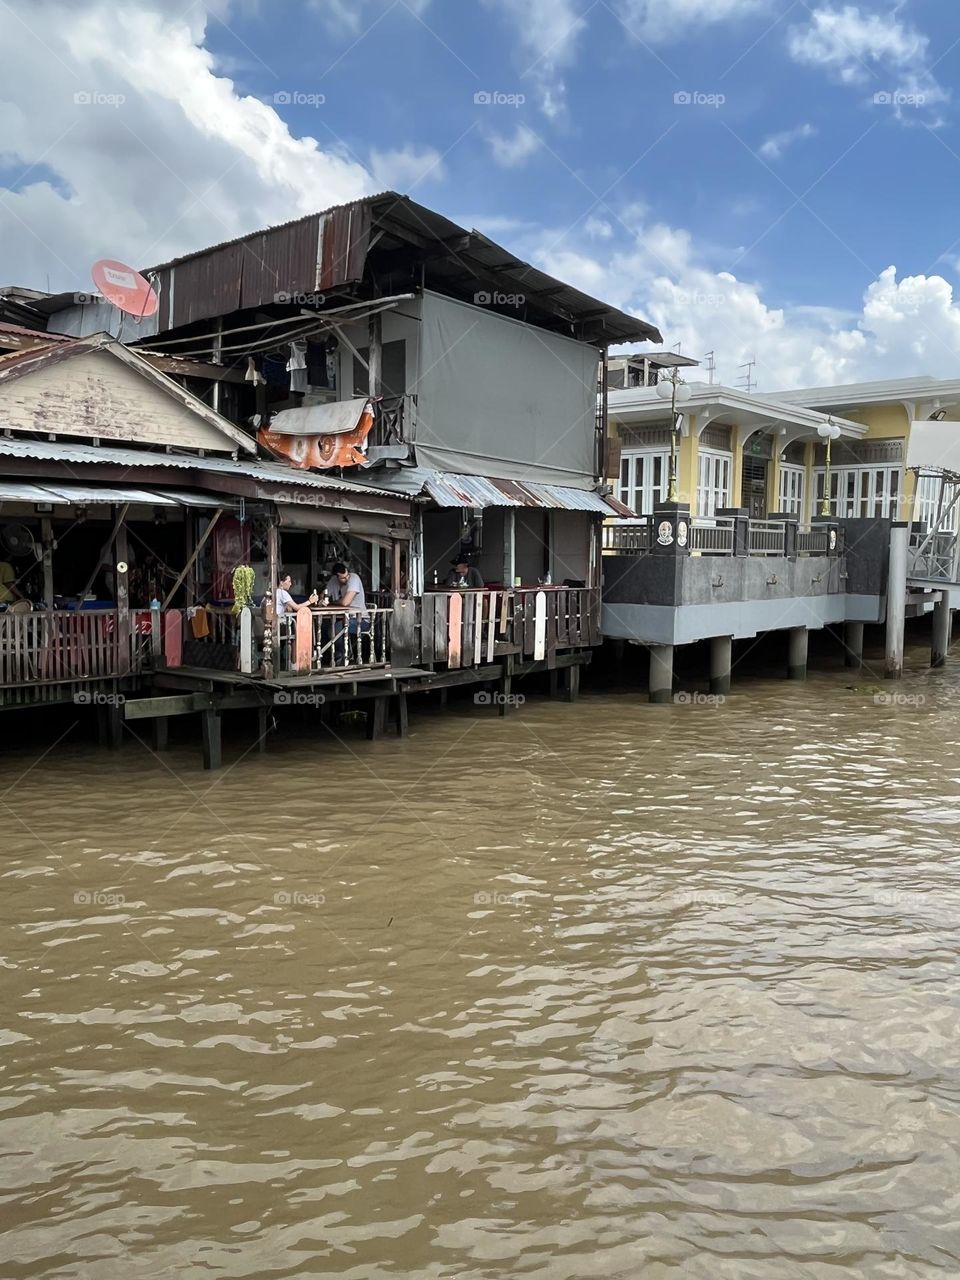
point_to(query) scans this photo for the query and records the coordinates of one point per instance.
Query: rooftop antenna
(746, 379)
(711, 366)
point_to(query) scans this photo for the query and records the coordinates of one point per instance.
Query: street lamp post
(828, 432)
(676, 392)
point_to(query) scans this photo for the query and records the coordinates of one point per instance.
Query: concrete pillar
(798, 638)
(721, 663)
(896, 599)
(661, 672)
(853, 645)
(942, 626)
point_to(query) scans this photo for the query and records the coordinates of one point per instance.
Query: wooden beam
(193, 559)
(122, 580)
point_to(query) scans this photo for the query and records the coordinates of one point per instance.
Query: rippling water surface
(606, 990)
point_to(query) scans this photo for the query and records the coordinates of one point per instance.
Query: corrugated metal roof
(451, 489)
(253, 269)
(79, 494)
(267, 472)
(21, 331)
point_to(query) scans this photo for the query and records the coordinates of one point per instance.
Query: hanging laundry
(199, 623)
(253, 374)
(297, 366)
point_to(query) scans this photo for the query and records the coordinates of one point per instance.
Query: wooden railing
(331, 641)
(48, 647)
(471, 628)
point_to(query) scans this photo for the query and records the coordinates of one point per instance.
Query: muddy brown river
(609, 990)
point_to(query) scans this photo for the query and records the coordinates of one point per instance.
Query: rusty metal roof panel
(345, 240)
(280, 263)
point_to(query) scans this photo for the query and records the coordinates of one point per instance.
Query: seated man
(463, 574)
(345, 591)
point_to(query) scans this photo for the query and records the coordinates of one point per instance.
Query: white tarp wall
(934, 445)
(501, 398)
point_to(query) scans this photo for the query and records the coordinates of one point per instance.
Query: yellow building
(767, 454)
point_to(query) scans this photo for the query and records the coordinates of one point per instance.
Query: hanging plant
(243, 579)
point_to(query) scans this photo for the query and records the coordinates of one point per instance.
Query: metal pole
(672, 494)
(825, 504)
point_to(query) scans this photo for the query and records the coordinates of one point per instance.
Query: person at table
(463, 574)
(345, 591)
(9, 591)
(283, 602)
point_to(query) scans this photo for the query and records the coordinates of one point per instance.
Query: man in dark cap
(463, 574)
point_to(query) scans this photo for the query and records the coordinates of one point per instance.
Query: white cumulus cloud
(512, 150)
(126, 141)
(547, 33)
(655, 22)
(878, 50)
(772, 148)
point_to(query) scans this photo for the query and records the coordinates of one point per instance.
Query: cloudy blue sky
(768, 179)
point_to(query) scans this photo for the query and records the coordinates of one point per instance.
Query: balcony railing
(332, 641)
(724, 536)
(470, 628)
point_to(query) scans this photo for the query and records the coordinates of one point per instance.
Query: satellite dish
(125, 288)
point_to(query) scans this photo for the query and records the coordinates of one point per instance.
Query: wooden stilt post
(505, 696)
(161, 726)
(402, 721)
(376, 718)
(571, 682)
(212, 756)
(263, 726)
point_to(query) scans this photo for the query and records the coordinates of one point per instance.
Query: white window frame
(638, 475)
(714, 481)
(928, 503)
(793, 488)
(861, 491)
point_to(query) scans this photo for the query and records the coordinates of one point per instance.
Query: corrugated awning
(72, 495)
(449, 489)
